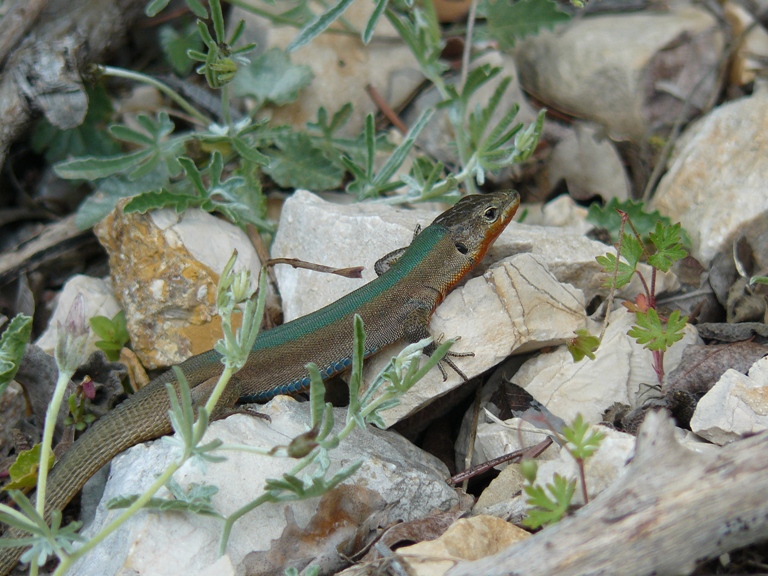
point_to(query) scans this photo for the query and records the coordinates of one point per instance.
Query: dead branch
(43, 73)
(671, 509)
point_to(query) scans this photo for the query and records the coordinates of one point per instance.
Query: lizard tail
(120, 429)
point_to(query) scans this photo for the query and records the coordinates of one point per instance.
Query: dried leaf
(418, 530)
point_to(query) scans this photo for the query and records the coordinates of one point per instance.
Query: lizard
(397, 305)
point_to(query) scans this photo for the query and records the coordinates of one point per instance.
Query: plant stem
(226, 111)
(165, 89)
(221, 385)
(45, 447)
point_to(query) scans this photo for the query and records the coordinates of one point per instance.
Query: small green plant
(221, 165)
(659, 243)
(79, 417)
(661, 250)
(548, 504)
(113, 333)
(46, 540)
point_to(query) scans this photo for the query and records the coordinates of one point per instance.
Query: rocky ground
(663, 103)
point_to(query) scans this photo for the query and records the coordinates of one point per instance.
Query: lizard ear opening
(461, 248)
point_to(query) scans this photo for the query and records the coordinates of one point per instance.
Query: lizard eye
(491, 214)
(461, 248)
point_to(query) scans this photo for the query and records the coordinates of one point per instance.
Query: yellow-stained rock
(165, 267)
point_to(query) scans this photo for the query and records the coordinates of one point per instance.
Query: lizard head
(474, 222)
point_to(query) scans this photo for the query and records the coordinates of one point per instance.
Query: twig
(352, 272)
(517, 455)
(472, 434)
(386, 109)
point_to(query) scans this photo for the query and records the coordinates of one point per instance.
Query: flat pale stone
(507, 484)
(715, 185)
(609, 68)
(589, 163)
(602, 469)
(397, 481)
(98, 300)
(165, 267)
(589, 387)
(736, 405)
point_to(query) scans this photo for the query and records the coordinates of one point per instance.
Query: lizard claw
(450, 362)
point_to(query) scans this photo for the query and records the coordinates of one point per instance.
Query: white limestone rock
(589, 163)
(715, 185)
(735, 406)
(624, 71)
(342, 65)
(618, 373)
(397, 481)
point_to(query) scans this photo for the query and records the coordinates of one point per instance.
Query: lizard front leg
(415, 328)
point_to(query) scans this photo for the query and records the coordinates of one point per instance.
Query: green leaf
(175, 46)
(548, 509)
(583, 443)
(318, 25)
(23, 471)
(110, 190)
(249, 152)
(644, 222)
(650, 332)
(162, 198)
(584, 345)
(158, 151)
(378, 10)
(669, 247)
(92, 168)
(631, 251)
(508, 21)
(272, 78)
(299, 164)
(196, 500)
(113, 334)
(12, 345)
(218, 20)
